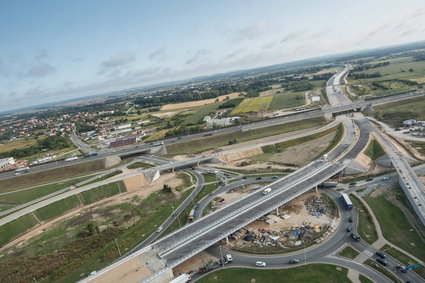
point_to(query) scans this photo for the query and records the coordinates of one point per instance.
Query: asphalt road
(325, 252)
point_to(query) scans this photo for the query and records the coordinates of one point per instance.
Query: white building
(409, 122)
(315, 99)
(6, 162)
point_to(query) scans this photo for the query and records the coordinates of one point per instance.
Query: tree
(166, 188)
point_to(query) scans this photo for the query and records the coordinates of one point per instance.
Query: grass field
(349, 252)
(258, 104)
(57, 208)
(31, 194)
(394, 113)
(60, 173)
(139, 164)
(15, 228)
(287, 100)
(18, 144)
(200, 145)
(198, 103)
(366, 227)
(398, 69)
(313, 273)
(210, 178)
(420, 146)
(57, 255)
(102, 192)
(196, 117)
(364, 279)
(157, 135)
(395, 227)
(374, 150)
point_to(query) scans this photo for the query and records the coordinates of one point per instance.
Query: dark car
(381, 261)
(353, 184)
(258, 178)
(355, 237)
(294, 261)
(244, 177)
(402, 268)
(369, 179)
(350, 219)
(274, 177)
(179, 138)
(381, 254)
(349, 229)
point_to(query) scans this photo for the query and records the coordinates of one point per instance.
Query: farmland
(287, 100)
(191, 104)
(257, 104)
(394, 113)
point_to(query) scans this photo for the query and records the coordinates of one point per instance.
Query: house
(6, 162)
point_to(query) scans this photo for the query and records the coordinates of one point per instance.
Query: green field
(420, 146)
(374, 150)
(258, 104)
(398, 69)
(18, 144)
(395, 226)
(196, 117)
(349, 252)
(16, 227)
(364, 279)
(58, 255)
(287, 100)
(210, 178)
(32, 179)
(366, 227)
(57, 208)
(139, 164)
(102, 192)
(200, 145)
(394, 113)
(320, 273)
(31, 194)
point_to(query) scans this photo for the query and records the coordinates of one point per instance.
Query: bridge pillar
(227, 240)
(317, 189)
(277, 210)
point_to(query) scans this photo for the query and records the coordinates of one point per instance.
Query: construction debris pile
(315, 205)
(281, 239)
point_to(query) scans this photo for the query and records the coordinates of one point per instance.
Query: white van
(267, 191)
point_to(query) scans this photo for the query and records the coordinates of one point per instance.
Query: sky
(56, 50)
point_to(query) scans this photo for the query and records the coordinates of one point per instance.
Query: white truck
(181, 279)
(267, 191)
(71, 158)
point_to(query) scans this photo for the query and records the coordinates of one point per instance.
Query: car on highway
(274, 177)
(381, 261)
(385, 178)
(244, 177)
(260, 264)
(369, 179)
(159, 229)
(381, 254)
(258, 178)
(294, 261)
(350, 219)
(401, 267)
(349, 228)
(353, 184)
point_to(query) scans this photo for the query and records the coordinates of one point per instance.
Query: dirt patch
(164, 114)
(303, 153)
(422, 178)
(193, 263)
(234, 156)
(191, 104)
